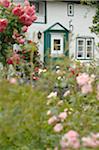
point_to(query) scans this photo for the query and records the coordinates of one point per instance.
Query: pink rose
(82, 79)
(24, 28)
(18, 11)
(62, 116)
(5, 3)
(21, 41)
(13, 80)
(58, 127)
(16, 58)
(70, 140)
(29, 10)
(26, 19)
(87, 88)
(27, 3)
(3, 24)
(9, 61)
(89, 142)
(52, 120)
(72, 134)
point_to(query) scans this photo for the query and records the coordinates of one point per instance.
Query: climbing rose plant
(14, 22)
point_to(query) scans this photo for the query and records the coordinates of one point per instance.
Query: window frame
(85, 39)
(68, 10)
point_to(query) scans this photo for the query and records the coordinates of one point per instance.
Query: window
(70, 9)
(85, 48)
(56, 45)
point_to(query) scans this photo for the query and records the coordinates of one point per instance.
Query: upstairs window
(85, 48)
(70, 9)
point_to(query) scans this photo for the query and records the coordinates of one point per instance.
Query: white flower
(59, 78)
(49, 112)
(66, 93)
(52, 94)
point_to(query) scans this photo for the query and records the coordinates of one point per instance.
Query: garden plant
(60, 111)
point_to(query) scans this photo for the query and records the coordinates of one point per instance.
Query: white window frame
(91, 48)
(85, 40)
(78, 48)
(57, 53)
(69, 9)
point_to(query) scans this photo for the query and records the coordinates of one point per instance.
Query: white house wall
(57, 12)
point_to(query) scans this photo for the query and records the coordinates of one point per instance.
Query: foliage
(95, 26)
(69, 107)
(33, 119)
(22, 111)
(14, 22)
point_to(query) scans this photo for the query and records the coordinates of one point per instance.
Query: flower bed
(60, 112)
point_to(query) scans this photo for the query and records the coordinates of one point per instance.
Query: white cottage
(62, 29)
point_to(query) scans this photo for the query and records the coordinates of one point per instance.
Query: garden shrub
(22, 112)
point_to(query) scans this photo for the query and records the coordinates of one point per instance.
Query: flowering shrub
(66, 118)
(73, 107)
(14, 22)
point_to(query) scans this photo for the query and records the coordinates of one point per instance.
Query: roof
(54, 25)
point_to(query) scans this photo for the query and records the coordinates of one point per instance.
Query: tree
(95, 26)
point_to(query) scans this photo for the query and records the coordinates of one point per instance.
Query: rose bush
(14, 22)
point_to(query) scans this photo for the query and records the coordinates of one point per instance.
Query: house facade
(62, 29)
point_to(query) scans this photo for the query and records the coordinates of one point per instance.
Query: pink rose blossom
(25, 19)
(18, 11)
(82, 79)
(52, 120)
(15, 58)
(3, 24)
(29, 10)
(27, 3)
(24, 28)
(58, 127)
(5, 3)
(70, 140)
(26, 14)
(62, 116)
(13, 81)
(72, 134)
(21, 41)
(87, 88)
(89, 142)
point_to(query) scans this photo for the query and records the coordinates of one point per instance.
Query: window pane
(80, 42)
(36, 6)
(57, 44)
(89, 43)
(89, 48)
(80, 48)
(57, 41)
(70, 10)
(80, 55)
(89, 55)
